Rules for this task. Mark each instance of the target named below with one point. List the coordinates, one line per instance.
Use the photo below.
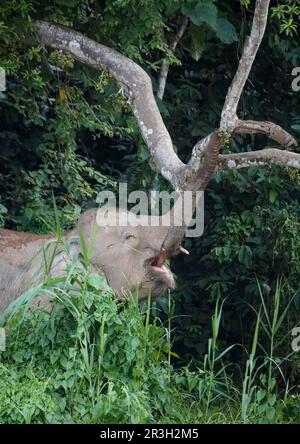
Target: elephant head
(129, 255)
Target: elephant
(130, 256)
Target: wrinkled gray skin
(127, 256)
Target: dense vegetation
(67, 131)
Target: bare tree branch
(162, 80)
(264, 157)
(137, 87)
(275, 132)
(229, 120)
(229, 112)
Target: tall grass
(264, 379)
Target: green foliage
(112, 355)
(201, 12)
(25, 399)
(287, 14)
(206, 12)
(94, 359)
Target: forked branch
(137, 87)
(230, 124)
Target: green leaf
(245, 256)
(261, 394)
(3, 209)
(172, 7)
(143, 152)
(296, 127)
(272, 399)
(198, 36)
(226, 31)
(201, 12)
(96, 281)
(271, 413)
(273, 195)
(227, 251)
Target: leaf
(96, 281)
(3, 209)
(296, 127)
(272, 399)
(206, 12)
(271, 413)
(201, 12)
(261, 394)
(198, 36)
(144, 153)
(227, 251)
(245, 256)
(273, 195)
(172, 7)
(226, 31)
(175, 355)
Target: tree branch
(162, 80)
(230, 123)
(275, 132)
(198, 171)
(136, 84)
(229, 112)
(138, 89)
(229, 119)
(264, 157)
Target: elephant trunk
(179, 218)
(182, 212)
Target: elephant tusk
(183, 250)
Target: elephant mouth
(158, 261)
(160, 274)
(163, 273)
(159, 277)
